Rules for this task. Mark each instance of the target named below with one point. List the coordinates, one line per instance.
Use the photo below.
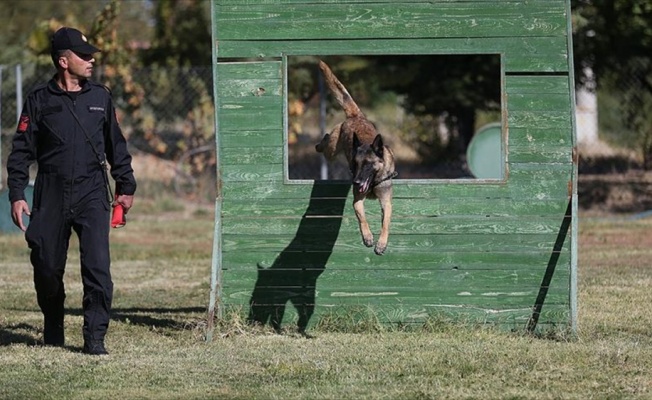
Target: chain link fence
(167, 114)
(614, 126)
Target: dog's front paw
(380, 248)
(368, 240)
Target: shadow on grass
(157, 317)
(16, 334)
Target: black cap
(72, 39)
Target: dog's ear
(354, 150)
(378, 147)
(356, 143)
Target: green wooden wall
(485, 250)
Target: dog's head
(367, 161)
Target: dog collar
(388, 177)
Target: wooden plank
(479, 208)
(373, 299)
(541, 119)
(493, 289)
(250, 113)
(450, 225)
(531, 54)
(411, 189)
(267, 70)
(399, 243)
(540, 154)
(543, 137)
(250, 138)
(246, 79)
(533, 84)
(543, 146)
(252, 172)
(249, 87)
(444, 280)
(549, 174)
(558, 102)
(379, 20)
(361, 260)
(251, 155)
(480, 286)
(382, 299)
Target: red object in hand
(118, 219)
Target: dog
(370, 161)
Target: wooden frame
(501, 252)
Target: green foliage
(625, 116)
(25, 24)
(613, 39)
(182, 34)
(607, 35)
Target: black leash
(102, 160)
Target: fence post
(19, 91)
(1, 68)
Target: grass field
(161, 270)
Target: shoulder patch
(23, 123)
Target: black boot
(94, 347)
(53, 333)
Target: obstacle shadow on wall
(292, 277)
(550, 270)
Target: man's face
(77, 64)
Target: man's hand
(125, 200)
(19, 207)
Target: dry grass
(161, 273)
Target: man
(68, 126)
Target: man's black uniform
(70, 193)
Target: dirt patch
(619, 193)
(612, 182)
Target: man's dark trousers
(48, 235)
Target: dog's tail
(342, 96)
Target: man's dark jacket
(49, 134)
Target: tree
(182, 34)
(613, 39)
(608, 34)
(457, 86)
